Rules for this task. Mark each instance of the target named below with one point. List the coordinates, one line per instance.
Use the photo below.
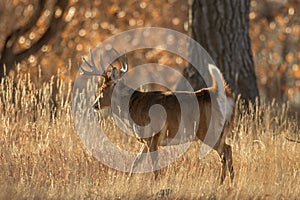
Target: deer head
(107, 79)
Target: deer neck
(120, 100)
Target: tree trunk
(7, 55)
(221, 27)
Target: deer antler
(123, 61)
(92, 65)
(125, 64)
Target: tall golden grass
(42, 157)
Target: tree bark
(7, 55)
(221, 27)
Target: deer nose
(96, 106)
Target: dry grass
(42, 157)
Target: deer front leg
(143, 149)
(149, 146)
(154, 154)
(154, 159)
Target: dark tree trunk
(221, 27)
(7, 55)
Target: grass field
(42, 156)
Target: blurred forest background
(48, 37)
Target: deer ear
(115, 74)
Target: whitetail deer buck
(141, 102)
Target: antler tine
(92, 58)
(91, 65)
(126, 60)
(115, 51)
(125, 64)
(101, 61)
(83, 71)
(112, 66)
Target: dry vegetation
(42, 157)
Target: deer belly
(169, 137)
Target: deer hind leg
(223, 171)
(225, 154)
(220, 148)
(228, 155)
